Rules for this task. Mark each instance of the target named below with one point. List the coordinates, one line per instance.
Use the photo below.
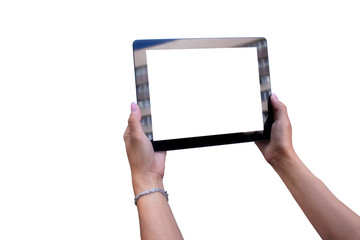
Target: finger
(126, 133)
(135, 109)
(279, 109)
(280, 114)
(127, 130)
(134, 122)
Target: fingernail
(275, 97)
(133, 107)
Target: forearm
(155, 216)
(329, 216)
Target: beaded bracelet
(153, 190)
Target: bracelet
(153, 190)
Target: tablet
(203, 92)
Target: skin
(329, 216)
(147, 171)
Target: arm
(330, 217)
(147, 171)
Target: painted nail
(133, 107)
(275, 97)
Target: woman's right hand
(279, 147)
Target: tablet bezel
(143, 96)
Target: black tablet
(203, 92)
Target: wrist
(144, 182)
(281, 155)
(284, 163)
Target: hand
(147, 166)
(279, 146)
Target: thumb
(279, 109)
(135, 118)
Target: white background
(197, 87)
(66, 84)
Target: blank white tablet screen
(200, 92)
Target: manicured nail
(275, 97)
(133, 107)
